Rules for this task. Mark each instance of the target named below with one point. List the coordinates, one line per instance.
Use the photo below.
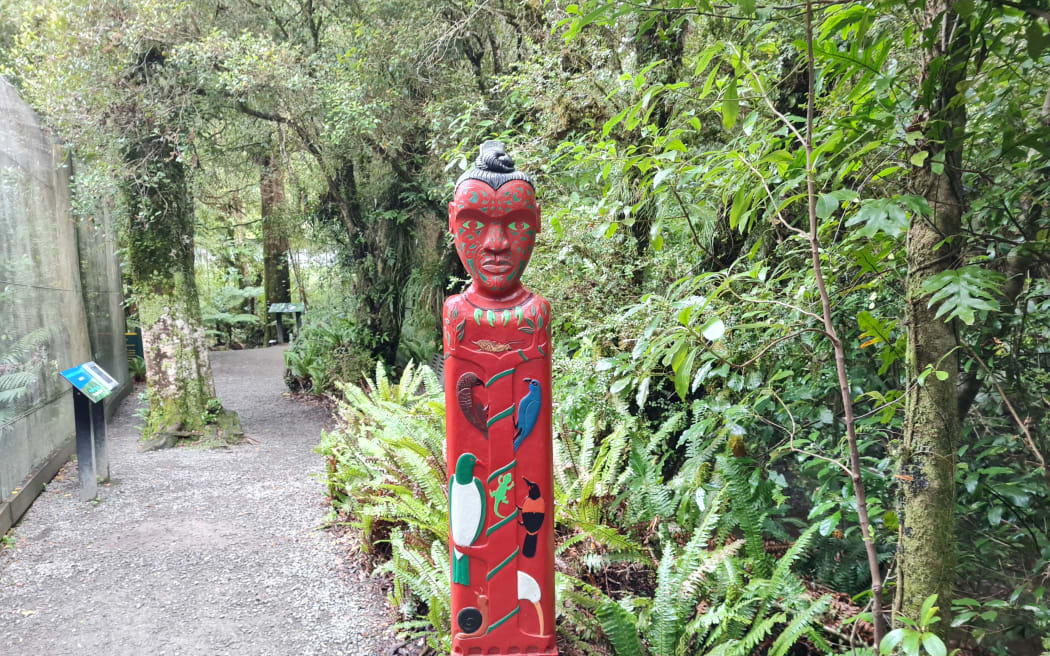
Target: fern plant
(329, 349)
(712, 588)
(386, 473)
(710, 596)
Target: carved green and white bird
(466, 499)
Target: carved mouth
(497, 265)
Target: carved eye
(478, 225)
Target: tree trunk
(277, 284)
(160, 253)
(926, 464)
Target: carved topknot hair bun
(494, 167)
(494, 157)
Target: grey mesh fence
(100, 279)
(44, 325)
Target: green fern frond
(782, 572)
(619, 627)
(609, 537)
(759, 630)
(801, 623)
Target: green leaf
(643, 392)
(891, 640)
(995, 515)
(933, 645)
(1037, 41)
(941, 375)
(730, 105)
(741, 202)
(826, 205)
(963, 618)
(918, 158)
(683, 373)
(880, 215)
(927, 610)
(713, 329)
(611, 123)
(605, 364)
(911, 642)
(961, 293)
(873, 330)
(577, 25)
(661, 175)
(829, 524)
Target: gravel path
(193, 551)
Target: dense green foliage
(790, 248)
(387, 474)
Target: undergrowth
(646, 565)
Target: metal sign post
(91, 384)
(280, 309)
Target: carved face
(494, 231)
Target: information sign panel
(285, 307)
(91, 380)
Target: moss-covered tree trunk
(160, 253)
(933, 425)
(276, 279)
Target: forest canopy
(797, 256)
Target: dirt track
(193, 551)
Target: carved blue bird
(528, 412)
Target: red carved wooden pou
(498, 414)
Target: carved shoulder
(454, 321)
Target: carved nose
(496, 238)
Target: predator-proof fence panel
(100, 276)
(43, 324)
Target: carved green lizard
(499, 495)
